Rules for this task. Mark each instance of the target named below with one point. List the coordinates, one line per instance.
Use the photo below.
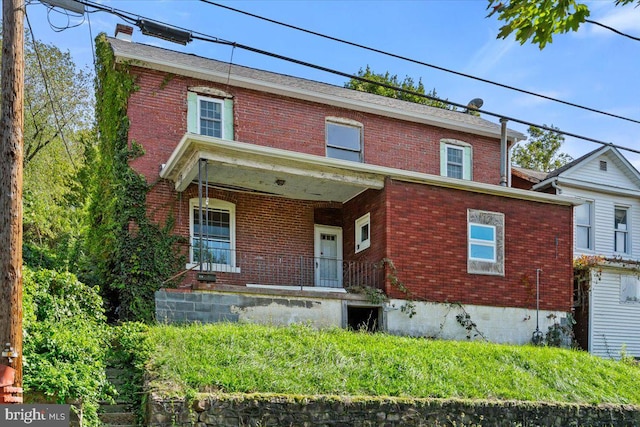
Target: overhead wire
(415, 61)
(127, 16)
(613, 29)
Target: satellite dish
(475, 103)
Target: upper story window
(455, 159)
(621, 230)
(344, 140)
(210, 116)
(584, 228)
(485, 241)
(213, 235)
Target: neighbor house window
(455, 159)
(584, 229)
(213, 234)
(344, 140)
(485, 242)
(621, 232)
(629, 288)
(363, 232)
(210, 116)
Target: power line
(133, 18)
(613, 29)
(415, 61)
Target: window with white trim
(482, 242)
(621, 230)
(455, 159)
(629, 289)
(213, 243)
(210, 116)
(363, 232)
(485, 242)
(210, 113)
(584, 229)
(344, 141)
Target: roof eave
(293, 92)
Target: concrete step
(118, 418)
(115, 407)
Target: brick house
(300, 199)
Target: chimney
(124, 32)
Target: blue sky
(593, 67)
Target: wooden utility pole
(11, 163)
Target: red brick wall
(425, 227)
(372, 202)
(427, 241)
(158, 120)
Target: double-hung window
(455, 159)
(621, 230)
(485, 242)
(584, 229)
(455, 164)
(213, 235)
(344, 140)
(210, 116)
(482, 242)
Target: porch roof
(272, 171)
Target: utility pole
(11, 164)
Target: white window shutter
(227, 132)
(443, 159)
(192, 113)
(468, 165)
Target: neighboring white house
(607, 241)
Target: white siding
(614, 176)
(614, 325)
(603, 222)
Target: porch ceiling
(248, 167)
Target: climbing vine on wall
(128, 255)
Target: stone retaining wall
(334, 411)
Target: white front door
(328, 256)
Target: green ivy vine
(128, 255)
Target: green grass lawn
(300, 360)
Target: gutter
(199, 143)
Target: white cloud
(490, 55)
(535, 101)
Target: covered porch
(226, 243)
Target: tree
(540, 151)
(392, 80)
(539, 20)
(58, 111)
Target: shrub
(65, 341)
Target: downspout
(509, 169)
(200, 215)
(554, 184)
(503, 152)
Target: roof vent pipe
(503, 151)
